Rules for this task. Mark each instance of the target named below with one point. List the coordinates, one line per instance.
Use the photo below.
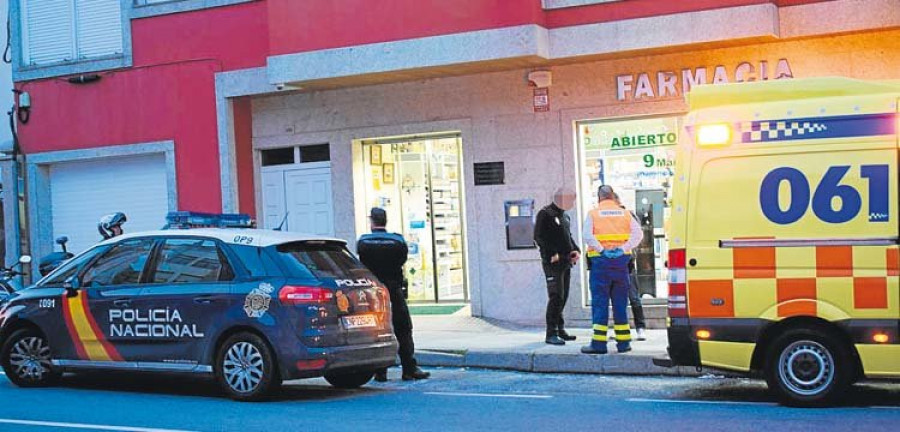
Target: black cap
(378, 216)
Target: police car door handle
(122, 302)
(203, 299)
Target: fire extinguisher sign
(541, 99)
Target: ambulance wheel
(26, 359)
(808, 368)
(349, 380)
(246, 368)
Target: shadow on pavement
(868, 394)
(206, 388)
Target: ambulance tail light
(714, 134)
(303, 295)
(678, 283)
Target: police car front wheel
(246, 368)
(26, 359)
(808, 368)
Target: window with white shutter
(49, 31)
(98, 25)
(56, 31)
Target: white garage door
(82, 192)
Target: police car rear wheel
(349, 380)
(26, 359)
(245, 368)
(808, 368)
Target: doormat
(434, 309)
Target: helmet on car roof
(109, 222)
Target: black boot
(554, 339)
(565, 336)
(414, 375)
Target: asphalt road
(454, 399)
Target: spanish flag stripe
(92, 346)
(70, 326)
(111, 351)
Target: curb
(610, 364)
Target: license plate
(359, 321)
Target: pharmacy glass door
(418, 183)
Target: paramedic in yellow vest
(610, 233)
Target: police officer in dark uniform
(384, 254)
(559, 252)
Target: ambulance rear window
(319, 259)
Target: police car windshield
(321, 259)
(58, 277)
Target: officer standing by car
(610, 233)
(385, 254)
(559, 252)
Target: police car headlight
(714, 134)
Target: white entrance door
(304, 194)
(82, 192)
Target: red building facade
(221, 96)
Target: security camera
(279, 86)
(540, 79)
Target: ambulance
(784, 258)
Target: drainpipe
(9, 163)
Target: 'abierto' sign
(645, 86)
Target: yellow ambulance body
(784, 234)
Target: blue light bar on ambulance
(187, 220)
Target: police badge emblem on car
(257, 302)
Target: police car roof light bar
(188, 220)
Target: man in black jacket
(559, 252)
(384, 254)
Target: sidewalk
(464, 341)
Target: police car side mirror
(72, 285)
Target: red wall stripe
(299, 26)
(243, 137)
(235, 36)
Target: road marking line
(493, 395)
(85, 426)
(677, 401)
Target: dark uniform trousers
(637, 307)
(558, 278)
(403, 327)
(384, 254)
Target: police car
(250, 307)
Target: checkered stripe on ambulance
(785, 223)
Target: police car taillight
(290, 294)
(678, 283)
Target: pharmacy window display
(637, 158)
(419, 184)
